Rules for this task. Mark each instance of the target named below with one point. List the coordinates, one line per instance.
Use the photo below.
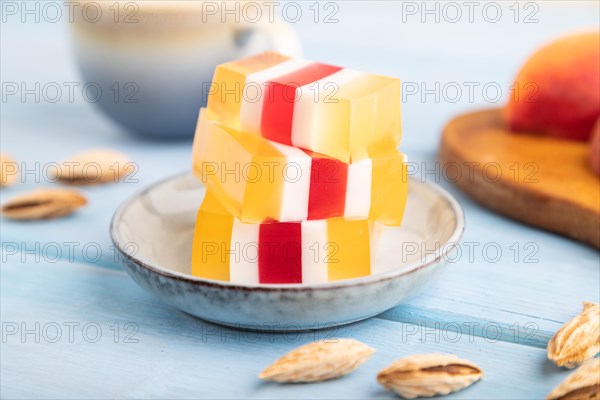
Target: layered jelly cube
(259, 180)
(317, 251)
(302, 171)
(339, 112)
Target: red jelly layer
(327, 194)
(278, 106)
(280, 253)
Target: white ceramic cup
(153, 61)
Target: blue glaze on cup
(154, 74)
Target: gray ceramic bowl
(153, 234)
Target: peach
(595, 148)
(557, 91)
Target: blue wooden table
(74, 325)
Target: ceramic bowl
(152, 232)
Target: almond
(578, 340)
(318, 361)
(93, 167)
(582, 384)
(427, 375)
(8, 170)
(43, 204)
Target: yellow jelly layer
(389, 182)
(349, 245)
(244, 171)
(361, 119)
(225, 96)
(212, 239)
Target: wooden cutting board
(542, 181)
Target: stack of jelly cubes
(302, 171)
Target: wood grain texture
(165, 353)
(542, 181)
(522, 291)
(178, 356)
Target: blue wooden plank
(84, 236)
(172, 359)
(507, 276)
(165, 353)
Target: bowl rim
(430, 259)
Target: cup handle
(282, 36)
